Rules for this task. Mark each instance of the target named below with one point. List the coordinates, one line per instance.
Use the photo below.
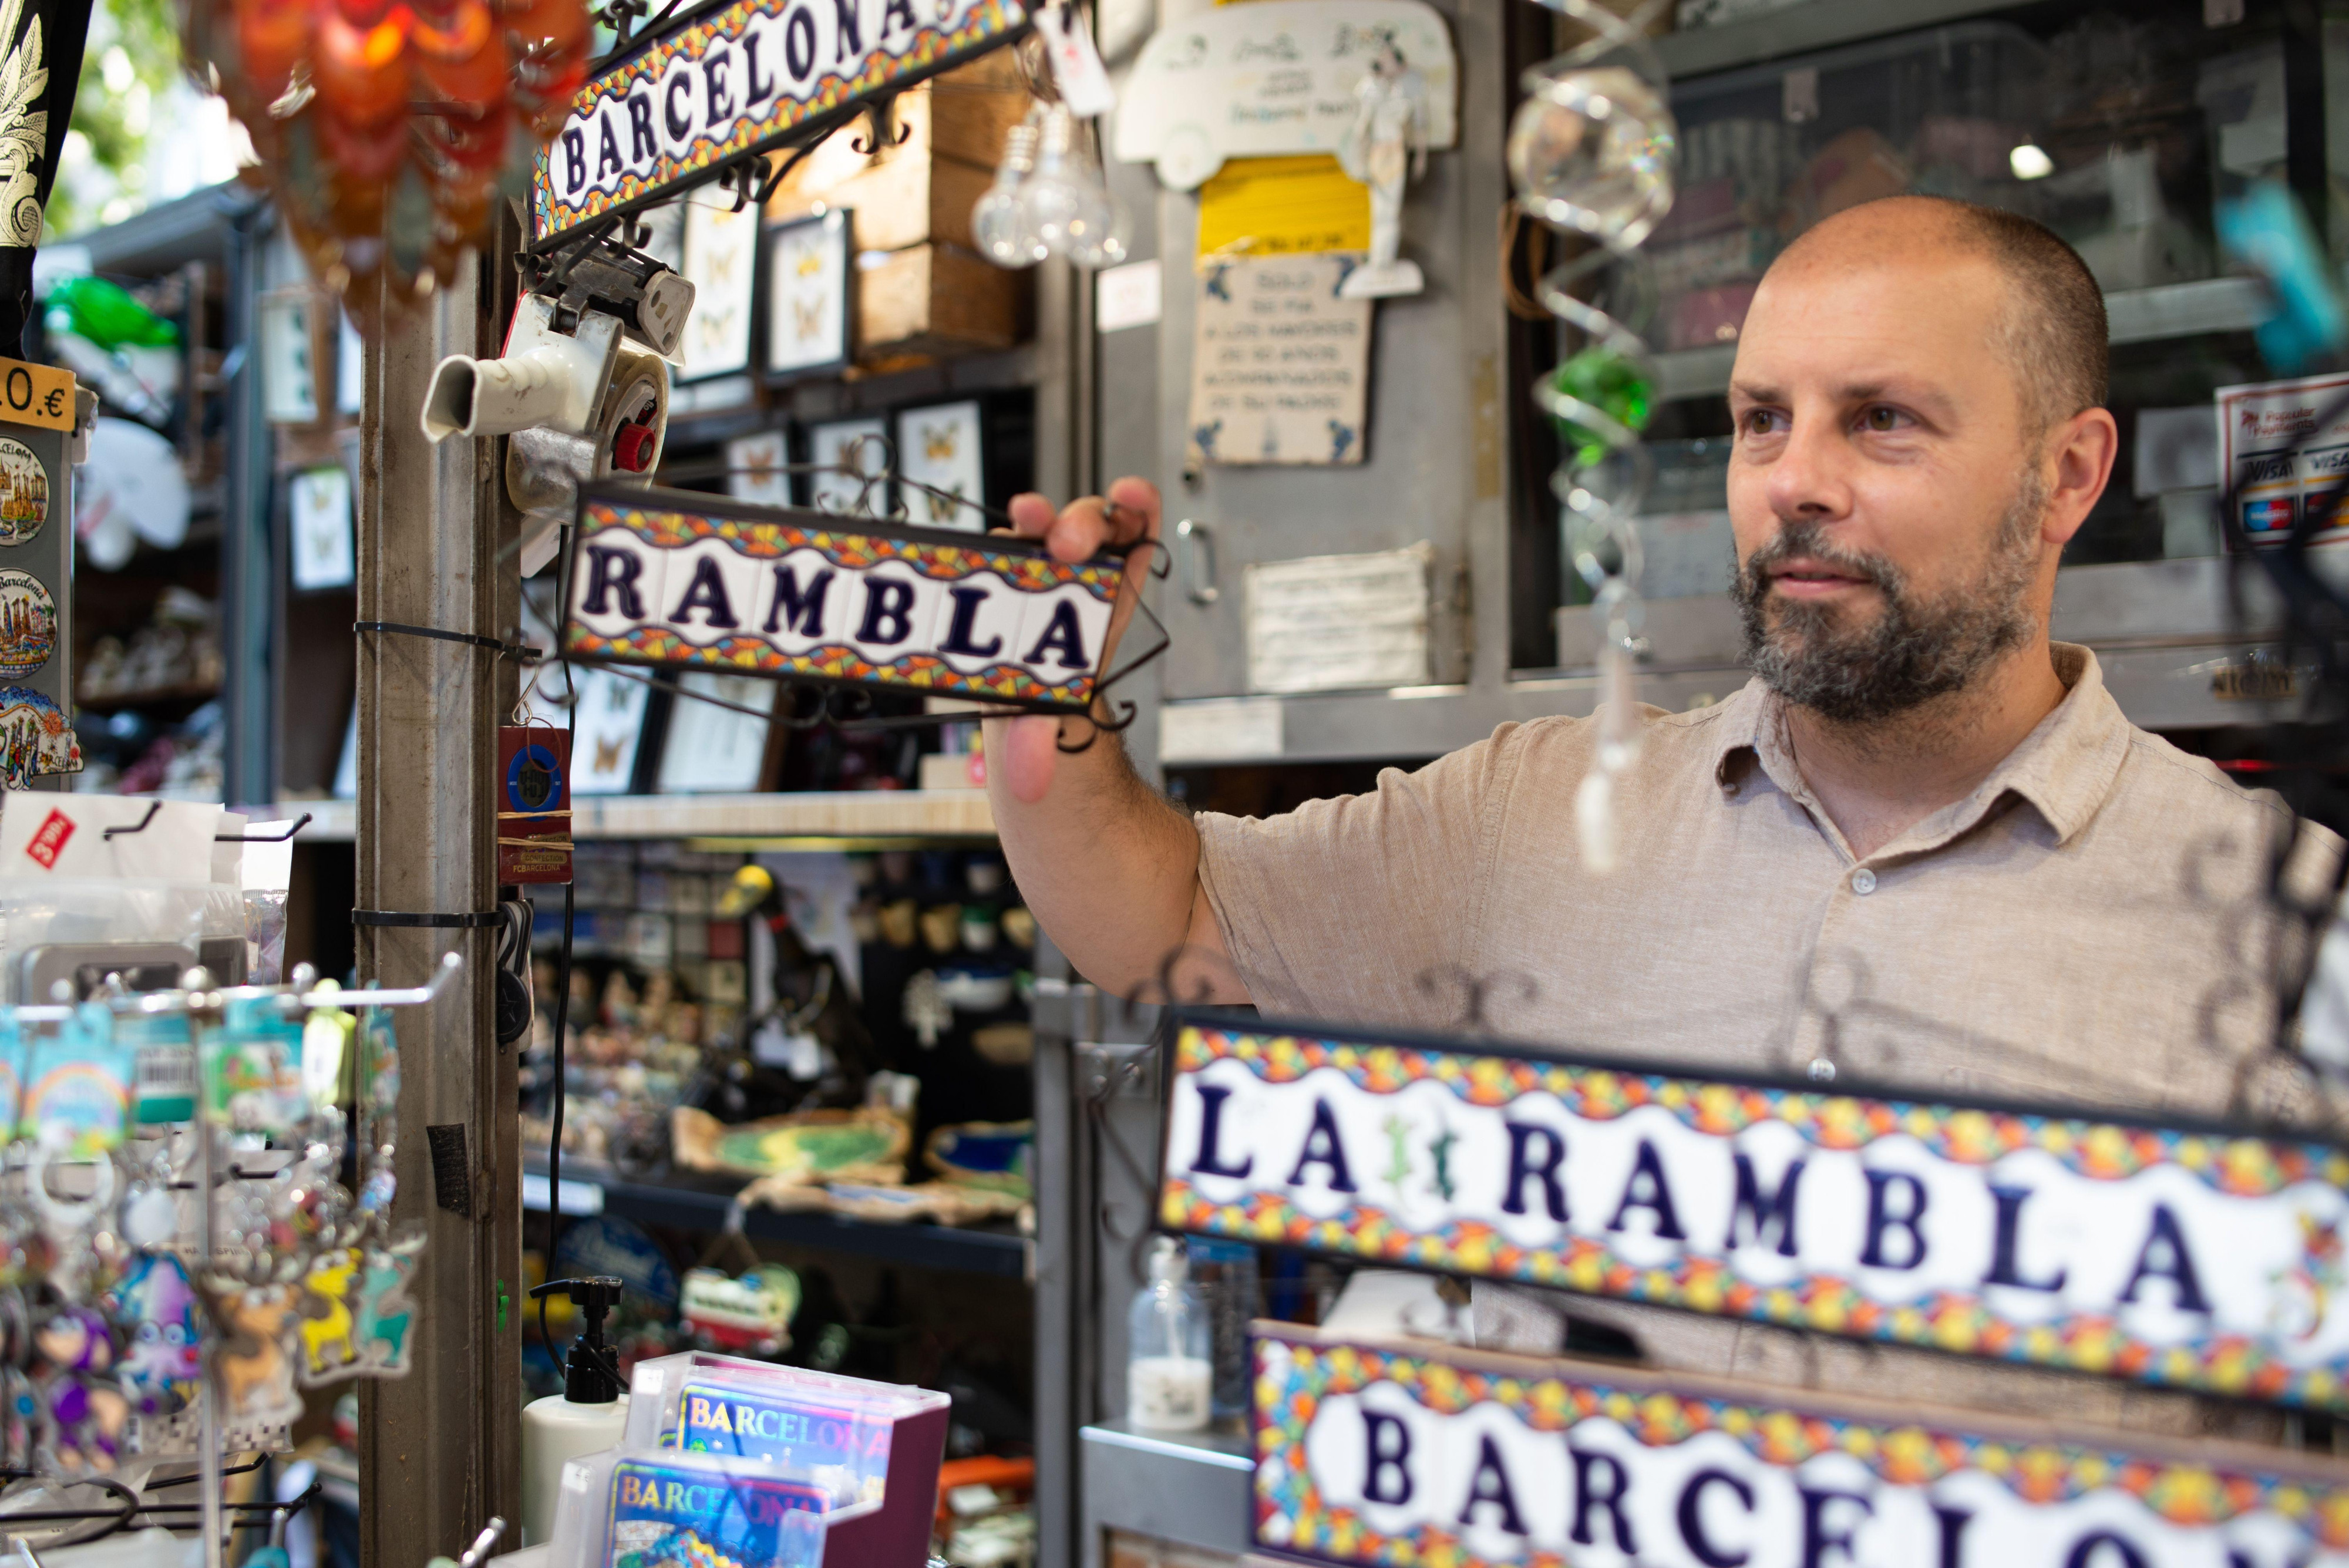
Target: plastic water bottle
(1169, 1376)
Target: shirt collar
(2065, 767)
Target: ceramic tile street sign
(737, 80)
(2194, 1257)
(1420, 1453)
(692, 582)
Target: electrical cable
(562, 961)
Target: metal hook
(152, 808)
(299, 823)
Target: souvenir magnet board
(689, 581)
(36, 541)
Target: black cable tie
(407, 917)
(521, 650)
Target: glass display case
(2122, 130)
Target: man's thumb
(1031, 750)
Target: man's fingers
(1079, 532)
(1031, 515)
(1086, 527)
(1136, 513)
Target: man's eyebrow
(1890, 390)
(1920, 394)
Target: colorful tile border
(2191, 1489)
(1960, 1321)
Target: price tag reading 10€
(37, 395)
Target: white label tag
(1076, 64)
(1126, 295)
(795, 1050)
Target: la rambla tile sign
(740, 79)
(689, 582)
(1420, 1453)
(2197, 1258)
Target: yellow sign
(1282, 206)
(36, 395)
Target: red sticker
(50, 841)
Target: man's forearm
(1110, 868)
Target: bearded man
(1922, 849)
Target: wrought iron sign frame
(2092, 1143)
(864, 83)
(843, 699)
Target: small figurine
(1386, 144)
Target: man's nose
(1811, 476)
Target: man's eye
(1760, 421)
(1881, 420)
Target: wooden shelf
(692, 1201)
(151, 696)
(813, 819)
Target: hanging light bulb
(997, 223)
(1065, 204)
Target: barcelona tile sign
(737, 80)
(680, 580)
(1399, 1453)
(2195, 1257)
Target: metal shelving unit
(1190, 1488)
(1799, 28)
(2135, 316)
(806, 820)
(688, 1202)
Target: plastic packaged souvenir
(865, 1441)
(619, 1509)
(77, 1094)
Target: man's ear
(2079, 465)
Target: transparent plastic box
(862, 1441)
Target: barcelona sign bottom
(1410, 1453)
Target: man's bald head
(2054, 328)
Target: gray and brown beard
(1818, 656)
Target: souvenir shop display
(149, 1330)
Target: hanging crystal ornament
(1591, 153)
(386, 128)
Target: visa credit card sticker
(843, 1446)
(663, 1514)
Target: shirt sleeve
(1338, 909)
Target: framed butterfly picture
(809, 272)
(721, 260)
(942, 450)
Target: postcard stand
(744, 1461)
(855, 1441)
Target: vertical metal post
(439, 1450)
(252, 607)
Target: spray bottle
(586, 1418)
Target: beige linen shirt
(2090, 925)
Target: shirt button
(1863, 881)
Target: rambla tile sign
(2201, 1257)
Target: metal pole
(439, 1450)
(210, 1514)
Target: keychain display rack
(243, 1059)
